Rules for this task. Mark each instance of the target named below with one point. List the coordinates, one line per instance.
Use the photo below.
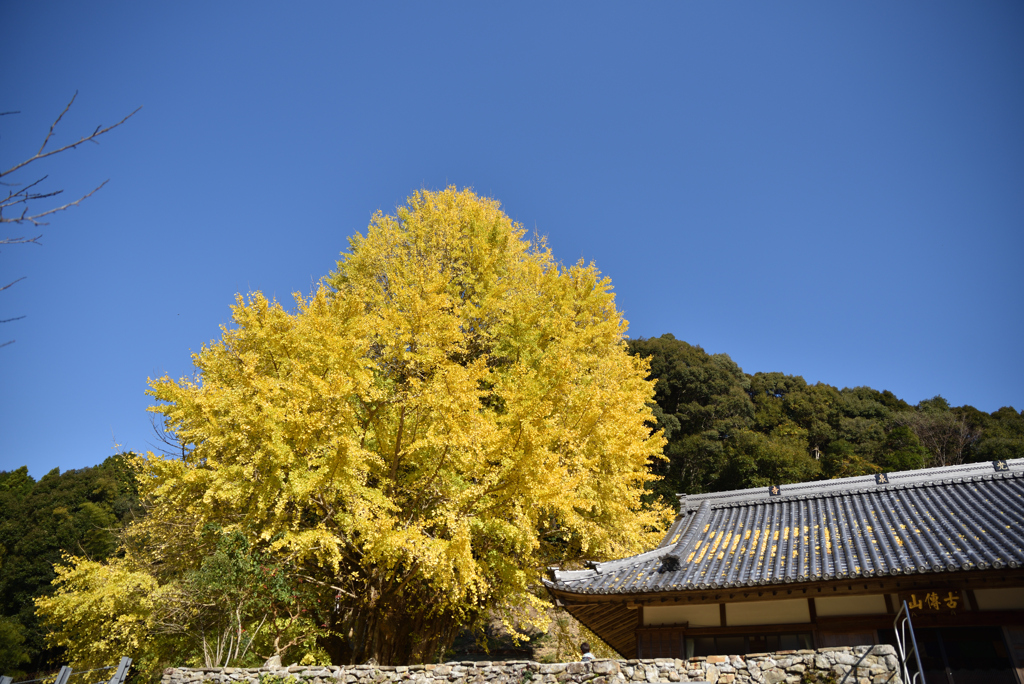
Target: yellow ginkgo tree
(449, 412)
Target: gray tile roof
(933, 520)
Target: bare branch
(91, 137)
(8, 285)
(54, 124)
(24, 218)
(26, 196)
(24, 192)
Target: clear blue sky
(834, 190)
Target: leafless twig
(25, 196)
(88, 138)
(21, 201)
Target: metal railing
(120, 673)
(903, 628)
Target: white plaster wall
(786, 612)
(698, 616)
(828, 606)
(1000, 599)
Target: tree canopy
(447, 413)
(730, 430)
(75, 512)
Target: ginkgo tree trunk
(448, 413)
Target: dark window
(961, 655)
(746, 643)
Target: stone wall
(858, 665)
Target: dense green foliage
(725, 429)
(77, 512)
(730, 430)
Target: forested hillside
(730, 430)
(725, 429)
(77, 512)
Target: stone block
(798, 668)
(604, 667)
(774, 676)
(717, 659)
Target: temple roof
(957, 518)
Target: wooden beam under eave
(613, 622)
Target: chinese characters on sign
(1001, 466)
(932, 601)
(774, 490)
(881, 478)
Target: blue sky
(834, 190)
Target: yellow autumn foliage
(449, 412)
(103, 610)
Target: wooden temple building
(824, 564)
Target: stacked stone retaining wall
(857, 665)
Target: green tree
(237, 603)
(840, 459)
(1000, 434)
(451, 411)
(864, 416)
(947, 434)
(702, 403)
(12, 647)
(76, 512)
(902, 451)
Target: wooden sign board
(934, 601)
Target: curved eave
(976, 578)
